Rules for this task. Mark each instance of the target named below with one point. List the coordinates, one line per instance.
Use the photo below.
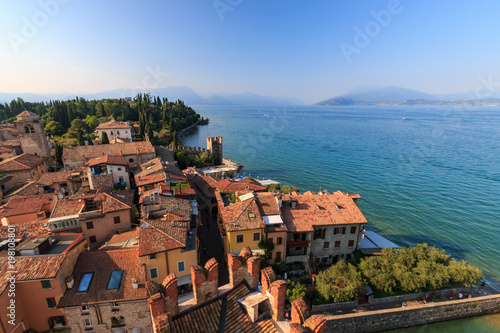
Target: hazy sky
(311, 50)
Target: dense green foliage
(295, 290)
(271, 187)
(417, 268)
(287, 189)
(340, 283)
(185, 160)
(157, 117)
(267, 248)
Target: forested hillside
(73, 122)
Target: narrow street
(211, 246)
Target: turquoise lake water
(425, 174)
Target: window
(337, 243)
(353, 230)
(120, 179)
(131, 160)
(64, 184)
(111, 132)
(87, 323)
(153, 273)
(351, 243)
(115, 306)
(256, 236)
(279, 240)
(115, 279)
(117, 321)
(326, 245)
(51, 302)
(339, 230)
(85, 282)
(118, 132)
(58, 321)
(270, 255)
(92, 239)
(90, 225)
(239, 238)
(85, 310)
(119, 169)
(269, 241)
(18, 177)
(319, 234)
(117, 219)
(278, 256)
(46, 284)
(152, 256)
(181, 267)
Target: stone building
(135, 153)
(24, 167)
(109, 292)
(117, 131)
(214, 146)
(107, 171)
(328, 227)
(32, 134)
(42, 265)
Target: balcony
(297, 243)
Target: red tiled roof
(27, 113)
(123, 149)
(21, 162)
(227, 185)
(107, 159)
(151, 179)
(113, 124)
(30, 229)
(268, 203)
(155, 240)
(102, 263)
(313, 210)
(124, 236)
(151, 167)
(242, 215)
(50, 178)
(67, 207)
(207, 316)
(25, 205)
(5, 150)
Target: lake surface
(425, 174)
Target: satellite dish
(242, 206)
(60, 196)
(144, 225)
(169, 209)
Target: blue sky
(275, 48)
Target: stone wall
(101, 182)
(383, 320)
(327, 254)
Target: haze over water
(425, 174)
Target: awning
(272, 219)
(186, 279)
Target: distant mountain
(188, 95)
(377, 95)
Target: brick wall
(243, 268)
(383, 320)
(205, 281)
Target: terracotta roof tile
(102, 263)
(124, 236)
(160, 236)
(150, 179)
(107, 159)
(268, 203)
(313, 209)
(242, 215)
(113, 124)
(26, 205)
(27, 113)
(30, 229)
(88, 152)
(67, 207)
(21, 162)
(50, 178)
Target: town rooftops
(123, 240)
(97, 267)
(21, 162)
(26, 205)
(175, 209)
(242, 215)
(316, 210)
(67, 208)
(113, 124)
(151, 167)
(26, 114)
(123, 149)
(107, 159)
(268, 203)
(209, 315)
(229, 185)
(150, 179)
(29, 229)
(50, 178)
(160, 236)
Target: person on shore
(452, 293)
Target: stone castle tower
(214, 146)
(32, 135)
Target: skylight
(114, 280)
(85, 282)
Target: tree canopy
(340, 283)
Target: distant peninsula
(402, 96)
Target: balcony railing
(297, 243)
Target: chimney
(268, 277)
(70, 281)
(277, 293)
(171, 294)
(294, 204)
(135, 284)
(205, 281)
